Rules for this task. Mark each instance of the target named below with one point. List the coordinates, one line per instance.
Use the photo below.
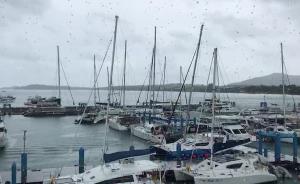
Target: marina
(149, 93)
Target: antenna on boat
(213, 106)
(58, 72)
(283, 83)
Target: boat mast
(213, 105)
(95, 76)
(110, 83)
(180, 82)
(112, 60)
(283, 83)
(194, 71)
(124, 71)
(164, 78)
(58, 72)
(154, 58)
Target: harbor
(158, 92)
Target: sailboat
(282, 129)
(125, 118)
(3, 134)
(200, 146)
(125, 171)
(228, 169)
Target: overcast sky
(246, 32)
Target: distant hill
(273, 79)
(43, 87)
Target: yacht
(123, 121)
(283, 130)
(3, 134)
(7, 99)
(150, 132)
(228, 169)
(198, 147)
(125, 171)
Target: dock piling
(23, 168)
(81, 160)
(277, 147)
(260, 142)
(295, 147)
(266, 152)
(13, 173)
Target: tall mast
(283, 83)
(164, 78)
(194, 71)
(110, 83)
(95, 76)
(213, 104)
(58, 72)
(112, 60)
(124, 72)
(154, 58)
(180, 81)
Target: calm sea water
(55, 141)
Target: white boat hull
(113, 124)
(140, 133)
(249, 179)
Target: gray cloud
(247, 34)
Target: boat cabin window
(123, 179)
(228, 131)
(280, 130)
(236, 131)
(2, 130)
(234, 166)
(243, 131)
(202, 144)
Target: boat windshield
(236, 131)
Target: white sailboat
(282, 129)
(243, 169)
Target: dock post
(150, 118)
(178, 150)
(23, 168)
(144, 116)
(277, 147)
(14, 173)
(266, 152)
(195, 120)
(295, 147)
(81, 160)
(260, 141)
